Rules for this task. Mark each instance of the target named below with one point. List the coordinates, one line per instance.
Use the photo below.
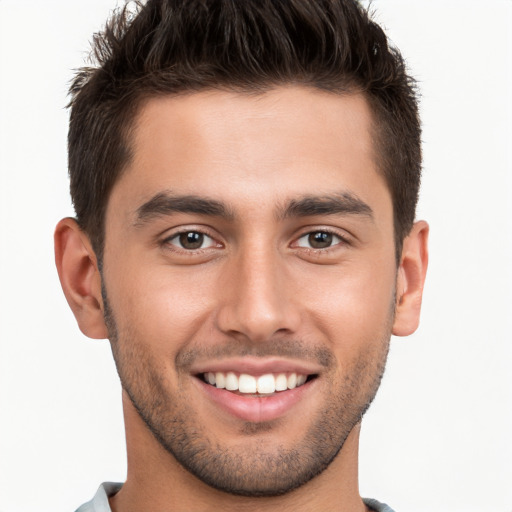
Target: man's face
(250, 243)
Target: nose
(257, 297)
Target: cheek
(353, 306)
(162, 305)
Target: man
(245, 176)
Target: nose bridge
(256, 303)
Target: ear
(80, 278)
(411, 279)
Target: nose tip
(256, 303)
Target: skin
(256, 290)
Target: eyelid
(342, 235)
(173, 233)
(205, 240)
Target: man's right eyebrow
(163, 204)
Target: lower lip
(253, 408)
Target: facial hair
(254, 468)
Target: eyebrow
(165, 203)
(344, 203)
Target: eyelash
(342, 240)
(167, 242)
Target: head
(249, 47)
(245, 176)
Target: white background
(439, 435)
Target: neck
(157, 482)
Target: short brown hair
(172, 46)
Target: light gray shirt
(100, 501)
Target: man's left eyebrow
(344, 203)
(163, 204)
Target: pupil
(191, 240)
(320, 240)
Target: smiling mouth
(246, 384)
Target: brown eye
(319, 240)
(191, 240)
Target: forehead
(252, 149)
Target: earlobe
(80, 278)
(411, 279)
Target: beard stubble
(255, 467)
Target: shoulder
(100, 501)
(377, 506)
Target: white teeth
(264, 384)
(281, 382)
(292, 381)
(301, 379)
(220, 380)
(231, 382)
(246, 383)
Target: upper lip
(257, 366)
